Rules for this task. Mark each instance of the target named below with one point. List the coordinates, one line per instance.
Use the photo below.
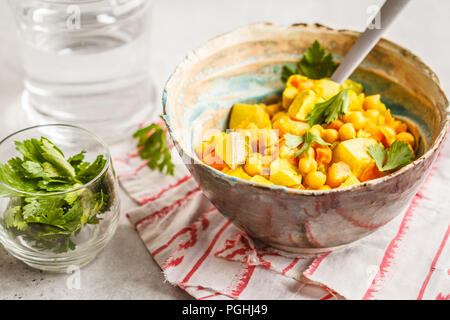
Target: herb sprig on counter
(398, 155)
(152, 146)
(50, 220)
(315, 64)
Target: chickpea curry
(320, 136)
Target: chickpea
(307, 165)
(295, 80)
(309, 154)
(336, 125)
(400, 127)
(357, 119)
(347, 132)
(406, 137)
(371, 102)
(316, 129)
(388, 135)
(330, 135)
(285, 152)
(337, 174)
(273, 109)
(315, 180)
(373, 115)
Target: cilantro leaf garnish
(398, 155)
(88, 172)
(286, 72)
(14, 219)
(50, 221)
(53, 155)
(293, 141)
(308, 139)
(378, 153)
(152, 146)
(315, 64)
(330, 110)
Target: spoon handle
(387, 14)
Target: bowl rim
(194, 160)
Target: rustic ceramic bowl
(245, 66)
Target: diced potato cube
(239, 173)
(288, 96)
(214, 161)
(255, 113)
(260, 179)
(232, 149)
(260, 139)
(374, 131)
(273, 109)
(352, 85)
(363, 134)
(356, 101)
(254, 165)
(278, 115)
(302, 105)
(226, 169)
(294, 80)
(285, 124)
(267, 138)
(374, 102)
(371, 172)
(354, 153)
(389, 135)
(324, 155)
(350, 181)
(284, 173)
(203, 149)
(246, 126)
(326, 88)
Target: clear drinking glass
(86, 217)
(86, 63)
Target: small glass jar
(86, 63)
(83, 219)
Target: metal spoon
(387, 14)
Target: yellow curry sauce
(256, 147)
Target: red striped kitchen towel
(202, 252)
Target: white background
(125, 269)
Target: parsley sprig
(398, 155)
(330, 110)
(308, 139)
(152, 146)
(49, 221)
(315, 64)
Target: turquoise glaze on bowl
(245, 66)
